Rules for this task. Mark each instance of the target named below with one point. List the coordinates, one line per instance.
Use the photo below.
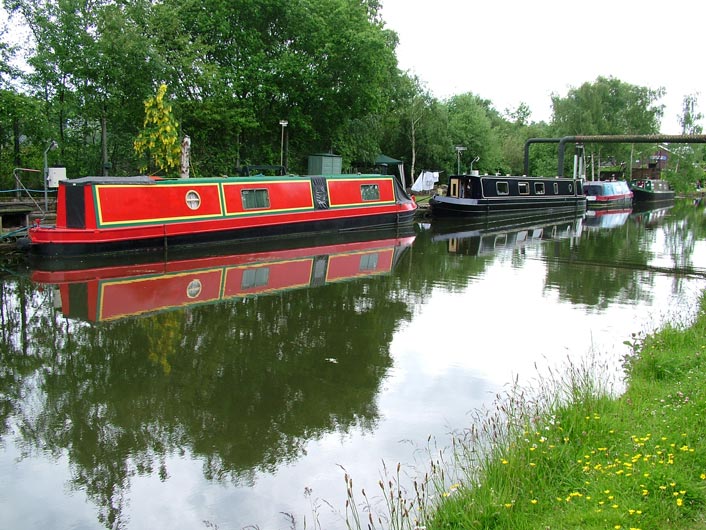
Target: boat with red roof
(119, 214)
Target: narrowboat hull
(110, 215)
(653, 196)
(651, 191)
(507, 197)
(596, 203)
(603, 195)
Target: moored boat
(507, 196)
(603, 194)
(651, 190)
(118, 214)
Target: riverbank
(587, 459)
(573, 454)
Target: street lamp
(52, 145)
(283, 123)
(459, 150)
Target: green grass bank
(580, 457)
(571, 453)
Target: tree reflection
(243, 385)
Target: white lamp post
(459, 150)
(283, 123)
(52, 145)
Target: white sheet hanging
(425, 181)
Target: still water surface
(235, 390)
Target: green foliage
(159, 139)
(608, 106)
(236, 68)
(470, 125)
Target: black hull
(504, 208)
(653, 197)
(244, 235)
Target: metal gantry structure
(606, 138)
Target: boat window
(254, 199)
(556, 188)
(368, 262)
(257, 277)
(539, 188)
(502, 188)
(370, 192)
(523, 188)
(193, 200)
(571, 188)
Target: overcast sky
(513, 51)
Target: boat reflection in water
(651, 217)
(102, 291)
(487, 237)
(612, 218)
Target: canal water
(236, 389)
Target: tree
(470, 126)
(611, 107)
(690, 117)
(608, 106)
(159, 138)
(92, 67)
(687, 167)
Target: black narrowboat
(508, 196)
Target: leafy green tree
(690, 117)
(159, 138)
(92, 68)
(608, 106)
(470, 126)
(686, 168)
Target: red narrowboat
(119, 214)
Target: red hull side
(113, 213)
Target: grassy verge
(576, 456)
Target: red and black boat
(99, 290)
(118, 214)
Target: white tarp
(425, 181)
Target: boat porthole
(193, 200)
(193, 290)
(571, 188)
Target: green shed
(325, 164)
